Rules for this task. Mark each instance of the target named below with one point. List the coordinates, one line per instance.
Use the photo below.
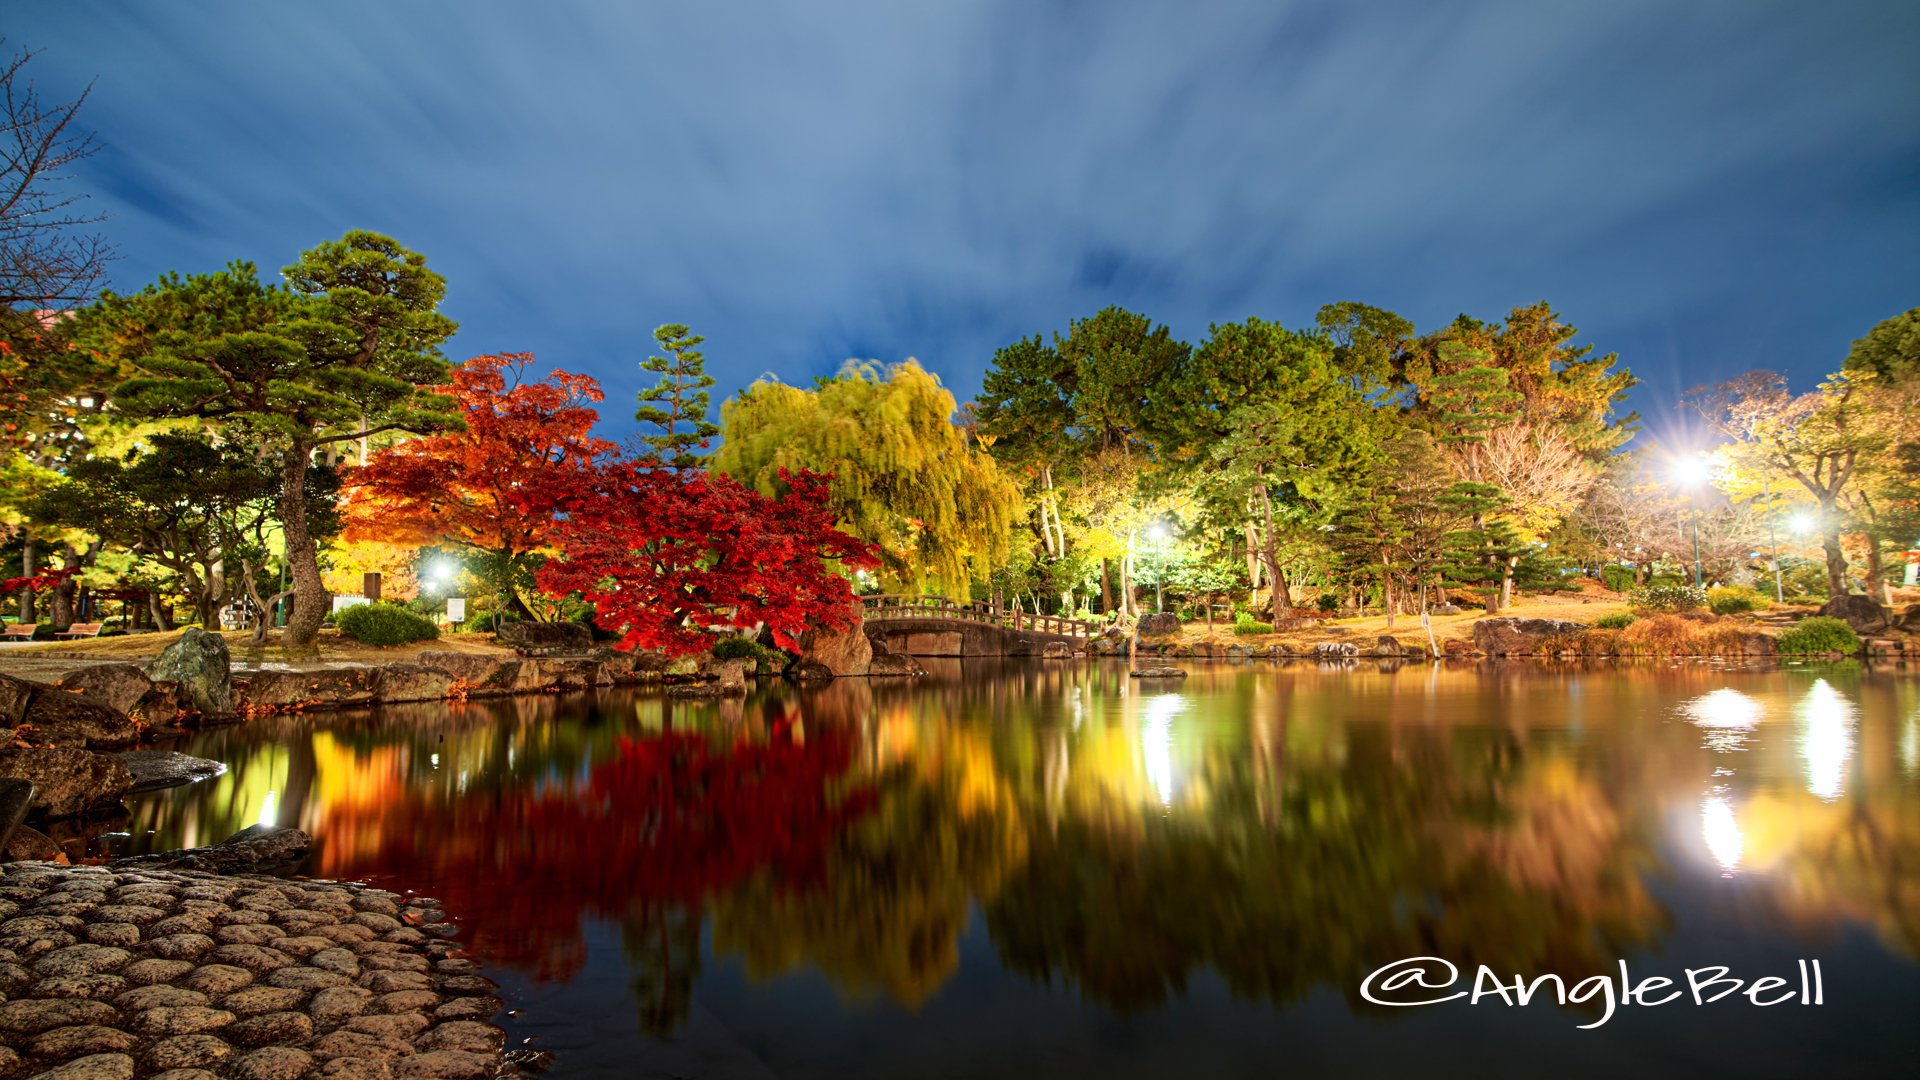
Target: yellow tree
(904, 476)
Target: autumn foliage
(458, 487)
(670, 557)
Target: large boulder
(68, 781)
(261, 849)
(546, 638)
(291, 691)
(1510, 636)
(412, 682)
(160, 706)
(27, 844)
(574, 673)
(117, 686)
(476, 671)
(14, 696)
(1862, 613)
(16, 799)
(156, 769)
(1165, 622)
(200, 663)
(59, 718)
(842, 652)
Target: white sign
(456, 609)
(342, 603)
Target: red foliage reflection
(670, 819)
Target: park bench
(21, 630)
(80, 630)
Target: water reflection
(1721, 831)
(1826, 740)
(1277, 828)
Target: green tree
(904, 477)
(683, 389)
(347, 349)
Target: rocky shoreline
(136, 970)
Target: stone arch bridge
(921, 625)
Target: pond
(1044, 868)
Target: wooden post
(370, 586)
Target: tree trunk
(162, 616)
(1129, 604)
(1506, 581)
(1106, 586)
(1386, 594)
(1209, 613)
(28, 551)
(1282, 603)
(62, 605)
(303, 554)
(1836, 559)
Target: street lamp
(1690, 472)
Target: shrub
(1617, 578)
(1619, 620)
(739, 648)
(385, 624)
(1819, 634)
(1734, 599)
(1248, 626)
(480, 624)
(1327, 602)
(1667, 598)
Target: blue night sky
(1705, 188)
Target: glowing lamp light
(1690, 470)
(1803, 523)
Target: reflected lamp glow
(1156, 744)
(269, 807)
(1826, 739)
(1721, 830)
(1910, 746)
(1724, 708)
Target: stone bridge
(937, 626)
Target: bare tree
(44, 261)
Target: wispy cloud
(1705, 188)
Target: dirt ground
(329, 648)
(1584, 607)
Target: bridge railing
(922, 606)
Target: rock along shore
(126, 973)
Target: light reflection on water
(928, 854)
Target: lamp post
(1690, 471)
(1773, 543)
(1158, 533)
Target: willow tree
(904, 476)
(348, 348)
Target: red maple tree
(669, 557)
(458, 487)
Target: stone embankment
(135, 970)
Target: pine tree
(683, 383)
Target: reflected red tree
(668, 820)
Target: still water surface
(1043, 869)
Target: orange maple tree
(454, 488)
